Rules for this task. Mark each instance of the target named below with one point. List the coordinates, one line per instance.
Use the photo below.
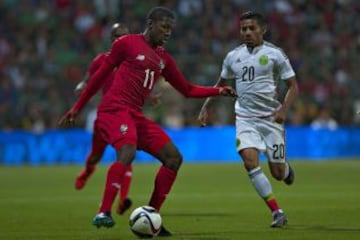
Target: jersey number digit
(149, 79)
(248, 73)
(279, 151)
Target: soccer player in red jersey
(139, 59)
(98, 143)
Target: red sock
(114, 177)
(163, 183)
(272, 204)
(125, 185)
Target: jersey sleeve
(95, 64)
(117, 52)
(172, 74)
(285, 69)
(94, 84)
(226, 71)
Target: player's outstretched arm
(82, 84)
(93, 67)
(203, 114)
(68, 120)
(172, 74)
(94, 84)
(227, 91)
(196, 91)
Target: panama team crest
(124, 128)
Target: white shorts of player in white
(263, 134)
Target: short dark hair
(254, 15)
(115, 27)
(118, 25)
(158, 13)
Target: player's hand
(280, 116)
(155, 99)
(203, 117)
(79, 88)
(69, 118)
(227, 91)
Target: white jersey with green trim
(256, 73)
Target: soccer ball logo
(145, 222)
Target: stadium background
(46, 46)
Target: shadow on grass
(192, 214)
(322, 228)
(297, 228)
(203, 236)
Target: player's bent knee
(174, 163)
(250, 164)
(277, 170)
(278, 174)
(170, 157)
(250, 158)
(126, 154)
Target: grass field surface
(208, 201)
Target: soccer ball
(145, 222)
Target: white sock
(260, 182)
(277, 211)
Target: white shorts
(263, 134)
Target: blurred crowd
(46, 46)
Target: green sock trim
(269, 197)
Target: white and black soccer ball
(145, 222)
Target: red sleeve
(96, 63)
(172, 74)
(117, 52)
(94, 84)
(110, 60)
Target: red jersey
(95, 65)
(138, 67)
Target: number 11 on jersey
(149, 79)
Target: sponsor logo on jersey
(263, 60)
(140, 57)
(123, 128)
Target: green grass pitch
(208, 201)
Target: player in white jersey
(256, 67)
